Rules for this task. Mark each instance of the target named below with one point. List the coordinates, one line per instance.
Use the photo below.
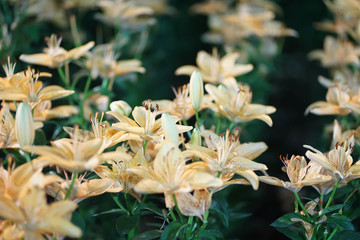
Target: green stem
(186, 124)
(321, 200)
(231, 125)
(172, 215)
(301, 205)
(27, 156)
(333, 233)
(203, 226)
(116, 200)
(188, 229)
(75, 175)
(218, 125)
(62, 76)
(296, 206)
(332, 195)
(87, 85)
(178, 210)
(145, 143)
(197, 119)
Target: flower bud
(170, 129)
(24, 125)
(121, 107)
(195, 137)
(196, 90)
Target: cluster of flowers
(328, 171)
(148, 153)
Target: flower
(72, 154)
(171, 175)
(336, 52)
(338, 102)
(36, 217)
(24, 125)
(196, 90)
(225, 155)
(54, 56)
(215, 70)
(337, 161)
(7, 128)
(121, 107)
(233, 101)
(299, 175)
(32, 92)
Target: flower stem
(172, 215)
(145, 143)
(116, 200)
(203, 226)
(301, 205)
(75, 175)
(333, 233)
(332, 195)
(178, 210)
(197, 119)
(188, 229)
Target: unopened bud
(195, 137)
(121, 107)
(24, 125)
(170, 129)
(196, 90)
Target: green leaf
(285, 221)
(152, 234)
(125, 223)
(331, 209)
(222, 217)
(294, 232)
(40, 137)
(78, 220)
(172, 231)
(115, 210)
(340, 221)
(346, 235)
(211, 235)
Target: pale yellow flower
(338, 102)
(336, 53)
(36, 217)
(195, 204)
(337, 161)
(44, 111)
(32, 91)
(234, 102)
(171, 175)
(55, 56)
(214, 69)
(72, 154)
(7, 128)
(225, 155)
(297, 170)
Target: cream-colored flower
(338, 102)
(32, 91)
(214, 69)
(36, 217)
(337, 161)
(24, 125)
(7, 128)
(225, 155)
(55, 56)
(233, 101)
(297, 170)
(72, 154)
(170, 175)
(336, 53)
